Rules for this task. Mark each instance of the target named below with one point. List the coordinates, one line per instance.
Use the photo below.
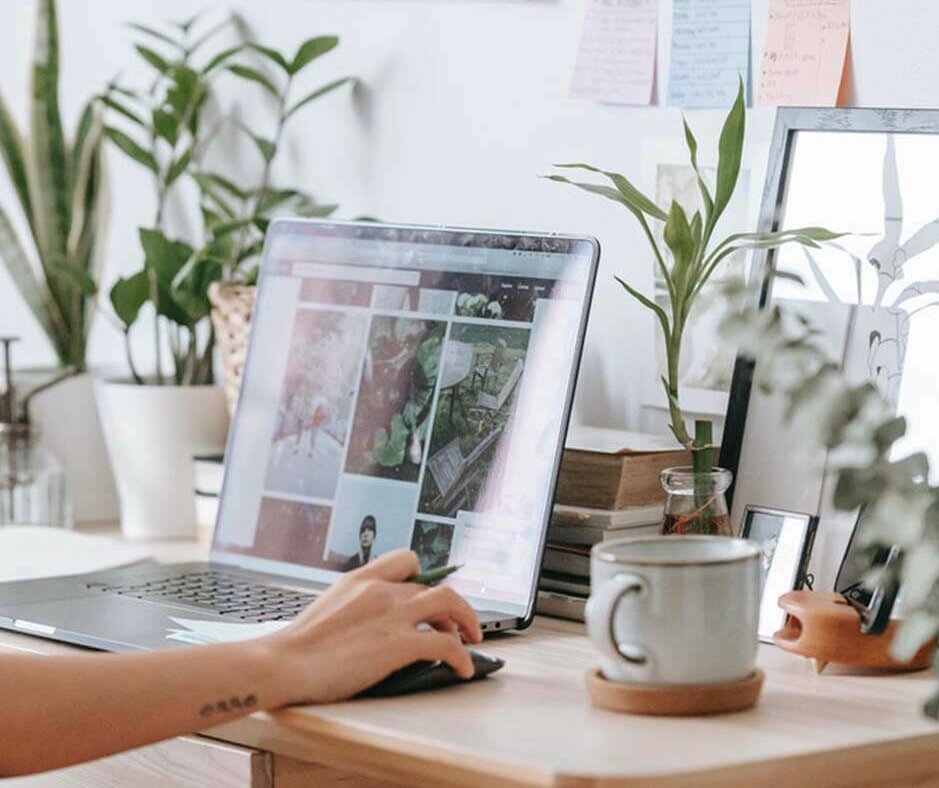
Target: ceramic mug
(675, 609)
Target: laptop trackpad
(111, 623)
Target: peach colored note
(804, 57)
(616, 57)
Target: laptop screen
(405, 387)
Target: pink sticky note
(804, 57)
(616, 58)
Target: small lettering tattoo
(229, 705)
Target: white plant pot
(66, 419)
(152, 434)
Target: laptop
(405, 387)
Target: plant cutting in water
(692, 256)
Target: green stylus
(434, 576)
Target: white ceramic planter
(152, 434)
(66, 419)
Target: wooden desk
(531, 725)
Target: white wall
(466, 104)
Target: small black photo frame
(874, 605)
(786, 540)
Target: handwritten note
(804, 58)
(710, 52)
(616, 59)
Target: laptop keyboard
(229, 595)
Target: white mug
(675, 609)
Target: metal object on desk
(33, 489)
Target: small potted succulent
(696, 501)
(156, 420)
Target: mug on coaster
(675, 609)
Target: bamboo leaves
(693, 259)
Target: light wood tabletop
(532, 725)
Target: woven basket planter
(232, 305)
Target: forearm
(63, 710)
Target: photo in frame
(785, 540)
(872, 295)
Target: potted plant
(696, 501)
(155, 423)
(60, 186)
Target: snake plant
(60, 188)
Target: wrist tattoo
(229, 705)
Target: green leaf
(16, 262)
(312, 210)
(593, 188)
(390, 451)
(163, 256)
(11, 146)
(631, 195)
(51, 194)
(648, 304)
(154, 33)
(266, 147)
(221, 57)
(227, 228)
(328, 88)
(166, 125)
(74, 277)
(131, 148)
(122, 109)
(253, 75)
(211, 179)
(273, 55)
(310, 50)
(179, 167)
(153, 58)
(128, 295)
(730, 154)
(679, 238)
(692, 144)
(185, 90)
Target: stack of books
(574, 530)
(608, 488)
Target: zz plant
(59, 184)
(167, 128)
(692, 255)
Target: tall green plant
(165, 128)
(60, 189)
(692, 254)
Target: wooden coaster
(674, 700)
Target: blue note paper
(710, 52)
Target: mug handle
(601, 616)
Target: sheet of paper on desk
(616, 59)
(804, 59)
(196, 632)
(710, 52)
(31, 551)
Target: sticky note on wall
(616, 58)
(804, 58)
(710, 52)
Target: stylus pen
(434, 576)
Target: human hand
(367, 625)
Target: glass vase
(696, 503)
(33, 489)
